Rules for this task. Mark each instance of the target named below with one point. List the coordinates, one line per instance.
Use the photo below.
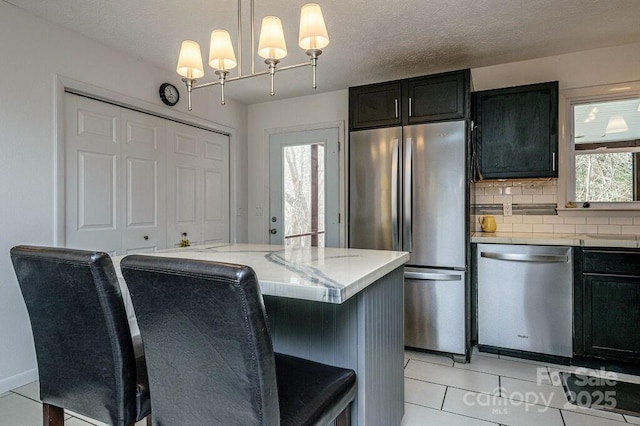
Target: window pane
(297, 189)
(607, 121)
(303, 194)
(604, 177)
(606, 134)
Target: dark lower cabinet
(607, 304)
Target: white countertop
(584, 240)
(330, 275)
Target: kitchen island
(337, 306)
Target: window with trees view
(304, 204)
(606, 150)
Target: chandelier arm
(244, 77)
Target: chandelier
(271, 46)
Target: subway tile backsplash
(544, 192)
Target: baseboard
(18, 380)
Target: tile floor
(490, 390)
(494, 390)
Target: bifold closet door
(198, 186)
(115, 184)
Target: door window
(304, 207)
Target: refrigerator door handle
(408, 189)
(395, 162)
(431, 276)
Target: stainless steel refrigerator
(408, 190)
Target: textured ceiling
(371, 40)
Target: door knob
(146, 237)
(273, 231)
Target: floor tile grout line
(471, 417)
(444, 397)
(28, 397)
(500, 374)
(457, 388)
(450, 386)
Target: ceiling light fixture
(272, 47)
(616, 124)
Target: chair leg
(52, 415)
(344, 418)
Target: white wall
(572, 70)
(33, 53)
(581, 69)
(298, 113)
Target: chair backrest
(86, 361)
(204, 330)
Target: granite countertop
(584, 240)
(330, 275)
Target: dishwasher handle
(432, 276)
(517, 257)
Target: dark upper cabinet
(435, 98)
(375, 105)
(516, 133)
(607, 304)
(417, 100)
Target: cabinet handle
(410, 112)
(396, 107)
(553, 161)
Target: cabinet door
(439, 97)
(611, 310)
(375, 105)
(517, 131)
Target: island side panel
(381, 357)
(364, 333)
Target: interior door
(303, 188)
(198, 186)
(143, 164)
(92, 175)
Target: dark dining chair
(210, 356)
(85, 353)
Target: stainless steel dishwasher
(525, 298)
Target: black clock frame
(163, 98)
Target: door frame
(342, 161)
(63, 84)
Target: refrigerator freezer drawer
(434, 310)
(525, 298)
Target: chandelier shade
(313, 31)
(190, 60)
(221, 54)
(272, 44)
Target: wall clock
(169, 94)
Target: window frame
(614, 92)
